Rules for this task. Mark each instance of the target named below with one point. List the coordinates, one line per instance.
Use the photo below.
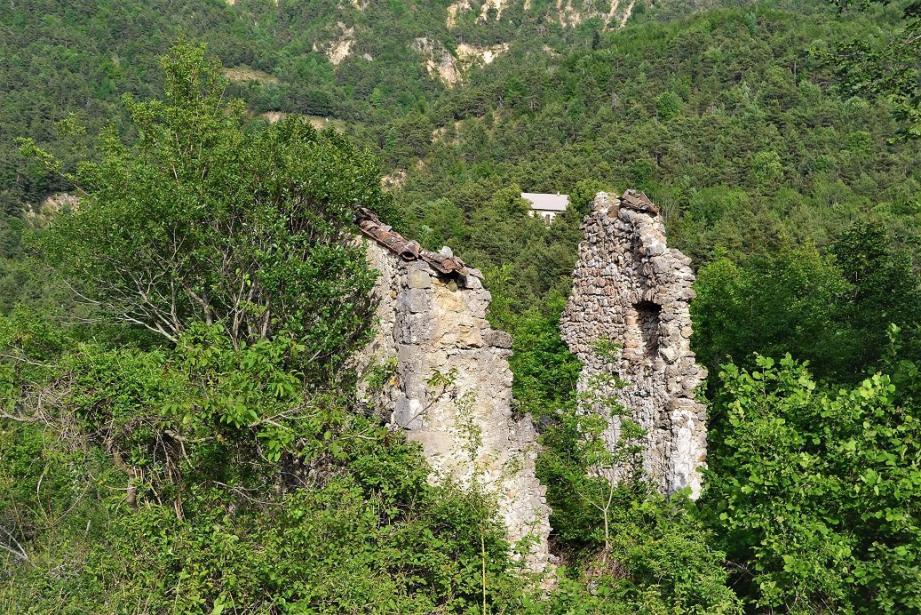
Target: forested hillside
(180, 430)
(354, 61)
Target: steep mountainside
(734, 121)
(360, 61)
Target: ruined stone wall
(450, 386)
(629, 288)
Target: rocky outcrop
(42, 214)
(494, 6)
(341, 48)
(568, 13)
(439, 63)
(471, 55)
(454, 9)
(630, 289)
(441, 374)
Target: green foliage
(660, 562)
(545, 371)
(152, 478)
(668, 105)
(786, 302)
(885, 290)
(767, 169)
(890, 71)
(206, 219)
(637, 550)
(630, 549)
(583, 194)
(815, 490)
(831, 309)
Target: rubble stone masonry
(630, 289)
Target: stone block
(414, 301)
(417, 278)
(472, 282)
(407, 414)
(499, 339)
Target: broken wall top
(443, 263)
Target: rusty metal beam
(406, 249)
(637, 201)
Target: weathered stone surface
(451, 389)
(418, 278)
(499, 339)
(629, 288)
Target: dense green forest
(179, 430)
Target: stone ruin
(448, 382)
(442, 373)
(630, 289)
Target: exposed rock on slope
(454, 9)
(341, 48)
(568, 13)
(629, 288)
(438, 61)
(440, 64)
(448, 382)
(491, 5)
(48, 209)
(471, 54)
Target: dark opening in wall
(647, 319)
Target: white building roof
(547, 202)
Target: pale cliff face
(450, 68)
(568, 13)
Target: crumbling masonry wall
(449, 385)
(630, 289)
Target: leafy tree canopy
(207, 218)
